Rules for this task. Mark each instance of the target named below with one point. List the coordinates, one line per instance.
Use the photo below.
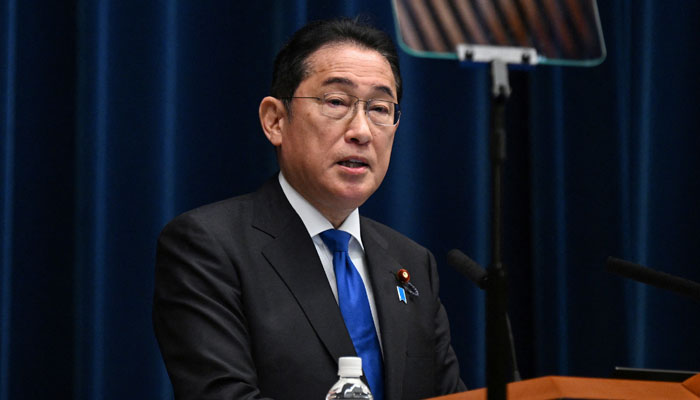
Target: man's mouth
(353, 163)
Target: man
(248, 292)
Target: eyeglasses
(340, 105)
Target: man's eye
(379, 108)
(336, 102)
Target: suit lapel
(292, 254)
(393, 314)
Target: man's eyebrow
(348, 82)
(342, 81)
(386, 90)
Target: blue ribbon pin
(402, 294)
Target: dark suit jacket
(243, 309)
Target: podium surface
(563, 387)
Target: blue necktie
(354, 306)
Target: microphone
(477, 274)
(468, 267)
(649, 276)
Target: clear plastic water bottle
(349, 386)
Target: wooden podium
(563, 387)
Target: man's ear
(273, 117)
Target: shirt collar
(313, 220)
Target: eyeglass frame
(397, 107)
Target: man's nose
(359, 129)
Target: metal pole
(496, 292)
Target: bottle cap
(350, 367)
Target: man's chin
(352, 198)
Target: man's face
(337, 164)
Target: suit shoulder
(392, 236)
(216, 214)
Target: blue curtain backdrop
(118, 115)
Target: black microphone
(477, 274)
(649, 276)
(468, 267)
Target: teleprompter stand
(497, 332)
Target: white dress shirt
(316, 223)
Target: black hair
(291, 64)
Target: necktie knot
(337, 241)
